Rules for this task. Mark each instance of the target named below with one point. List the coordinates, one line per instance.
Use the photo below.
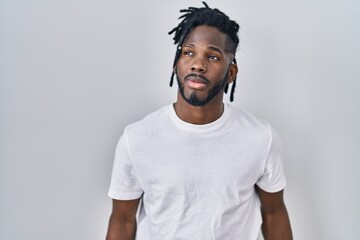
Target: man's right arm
(122, 223)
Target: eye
(188, 53)
(213, 57)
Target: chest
(174, 165)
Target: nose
(199, 65)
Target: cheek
(180, 69)
(221, 73)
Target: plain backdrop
(74, 73)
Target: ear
(232, 73)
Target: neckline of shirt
(199, 127)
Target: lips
(196, 82)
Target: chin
(194, 94)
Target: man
(201, 169)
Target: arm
(122, 223)
(276, 224)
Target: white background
(74, 73)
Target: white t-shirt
(197, 181)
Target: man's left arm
(276, 223)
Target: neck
(199, 114)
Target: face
(204, 67)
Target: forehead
(206, 35)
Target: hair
(212, 17)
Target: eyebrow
(210, 47)
(216, 49)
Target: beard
(193, 98)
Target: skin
(203, 54)
(276, 223)
(122, 223)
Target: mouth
(196, 81)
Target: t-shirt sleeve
(123, 185)
(273, 178)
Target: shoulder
(246, 120)
(249, 126)
(150, 122)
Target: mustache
(193, 75)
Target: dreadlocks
(211, 17)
